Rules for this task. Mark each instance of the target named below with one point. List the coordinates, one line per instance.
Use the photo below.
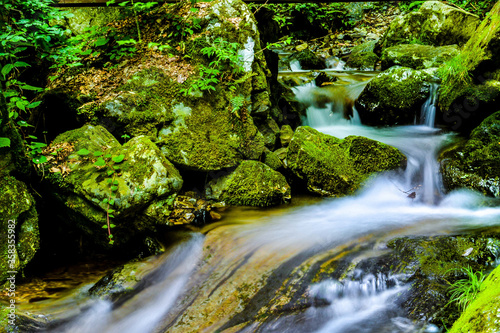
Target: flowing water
(205, 284)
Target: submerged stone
(251, 184)
(333, 167)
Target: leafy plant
(464, 291)
(110, 164)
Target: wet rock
(190, 210)
(363, 56)
(84, 18)
(417, 56)
(430, 264)
(470, 107)
(272, 160)
(142, 176)
(475, 164)
(394, 97)
(324, 79)
(332, 167)
(251, 184)
(309, 60)
(270, 131)
(476, 63)
(434, 24)
(20, 239)
(286, 134)
(281, 153)
(481, 316)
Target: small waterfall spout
(428, 113)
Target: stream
(253, 272)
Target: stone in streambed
(252, 183)
(333, 167)
(417, 56)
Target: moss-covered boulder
(20, 238)
(309, 60)
(436, 23)
(199, 111)
(417, 56)
(251, 184)
(142, 175)
(363, 56)
(430, 264)
(394, 97)
(333, 167)
(475, 164)
(82, 19)
(481, 316)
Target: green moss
(363, 56)
(475, 164)
(482, 315)
(394, 97)
(17, 205)
(417, 56)
(456, 73)
(335, 167)
(251, 184)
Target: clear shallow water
(381, 209)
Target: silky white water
(385, 204)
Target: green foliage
(223, 58)
(326, 17)
(464, 291)
(478, 7)
(456, 73)
(410, 6)
(109, 164)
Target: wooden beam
(102, 3)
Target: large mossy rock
(475, 164)
(167, 97)
(417, 56)
(333, 167)
(144, 175)
(394, 97)
(481, 316)
(17, 213)
(430, 264)
(434, 24)
(363, 56)
(251, 184)
(309, 60)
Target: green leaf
(105, 200)
(22, 105)
(100, 162)
(21, 64)
(111, 202)
(118, 159)
(111, 242)
(39, 159)
(111, 216)
(115, 182)
(110, 236)
(114, 188)
(98, 153)
(28, 87)
(110, 172)
(116, 167)
(4, 142)
(23, 123)
(83, 152)
(101, 41)
(33, 105)
(6, 69)
(107, 156)
(105, 226)
(112, 225)
(109, 180)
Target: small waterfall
(428, 113)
